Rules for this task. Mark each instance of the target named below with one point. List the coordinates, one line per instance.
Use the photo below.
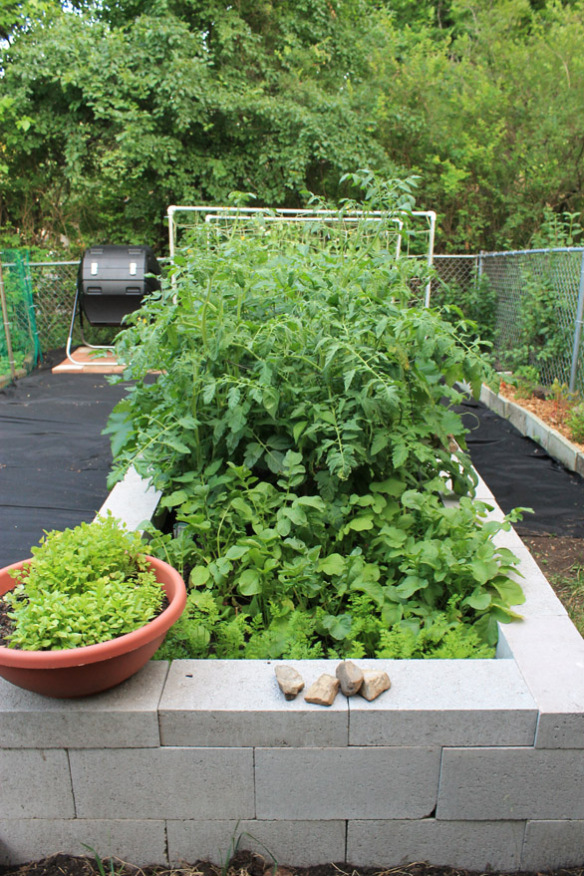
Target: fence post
(577, 330)
(6, 326)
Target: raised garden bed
(466, 763)
(471, 763)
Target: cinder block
(331, 783)
(133, 500)
(540, 598)
(510, 784)
(296, 843)
(482, 491)
(493, 401)
(163, 783)
(471, 845)
(516, 416)
(35, 784)
(549, 652)
(446, 702)
(552, 844)
(139, 842)
(126, 716)
(537, 430)
(238, 703)
(561, 449)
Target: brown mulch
(242, 864)
(552, 411)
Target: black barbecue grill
(111, 283)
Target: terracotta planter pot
(77, 672)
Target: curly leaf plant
(302, 430)
(83, 586)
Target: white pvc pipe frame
(291, 215)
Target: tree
(132, 114)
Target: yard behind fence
(528, 304)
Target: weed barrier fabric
(54, 461)
(520, 473)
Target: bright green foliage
(83, 586)
(137, 106)
(111, 111)
(576, 423)
(301, 429)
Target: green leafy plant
(83, 586)
(302, 431)
(575, 423)
(526, 379)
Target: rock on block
(375, 681)
(289, 681)
(323, 691)
(350, 677)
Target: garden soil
(241, 864)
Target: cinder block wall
(471, 764)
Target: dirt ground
(242, 864)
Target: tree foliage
(110, 112)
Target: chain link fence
(538, 297)
(54, 285)
(527, 303)
(19, 343)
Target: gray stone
(323, 691)
(350, 677)
(375, 681)
(384, 782)
(302, 842)
(290, 681)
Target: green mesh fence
(19, 343)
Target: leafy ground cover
(302, 432)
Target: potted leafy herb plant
(86, 612)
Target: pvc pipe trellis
(287, 214)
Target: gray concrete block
(549, 652)
(238, 703)
(579, 465)
(495, 402)
(296, 843)
(163, 783)
(510, 784)
(516, 416)
(540, 598)
(446, 702)
(537, 430)
(561, 449)
(35, 784)
(331, 783)
(139, 842)
(471, 845)
(133, 500)
(552, 844)
(126, 716)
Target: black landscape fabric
(54, 462)
(521, 474)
